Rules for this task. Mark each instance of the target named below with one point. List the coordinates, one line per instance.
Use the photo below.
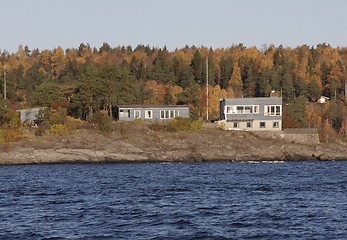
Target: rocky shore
(139, 143)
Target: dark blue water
(296, 200)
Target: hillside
(140, 143)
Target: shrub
(102, 120)
(7, 136)
(2, 136)
(138, 121)
(40, 131)
(73, 123)
(58, 116)
(182, 124)
(59, 129)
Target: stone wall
(308, 136)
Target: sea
(251, 200)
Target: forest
(86, 80)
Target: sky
(48, 24)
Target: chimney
(273, 93)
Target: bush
(59, 129)
(7, 136)
(73, 123)
(182, 124)
(58, 116)
(40, 131)
(2, 136)
(138, 121)
(102, 120)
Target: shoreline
(139, 144)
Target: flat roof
(152, 106)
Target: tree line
(85, 80)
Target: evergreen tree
(197, 67)
(313, 91)
(263, 84)
(45, 94)
(287, 82)
(297, 111)
(226, 67)
(334, 115)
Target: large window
(272, 110)
(242, 109)
(167, 114)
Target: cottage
(28, 116)
(152, 113)
(251, 114)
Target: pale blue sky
(47, 24)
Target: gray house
(28, 116)
(251, 114)
(154, 113)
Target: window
(236, 125)
(248, 124)
(275, 124)
(248, 109)
(240, 109)
(256, 109)
(229, 109)
(137, 114)
(262, 125)
(166, 114)
(272, 110)
(124, 113)
(148, 114)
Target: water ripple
(297, 200)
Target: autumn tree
(236, 82)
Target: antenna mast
(5, 93)
(207, 87)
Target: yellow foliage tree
(175, 91)
(158, 91)
(235, 82)
(215, 94)
(58, 61)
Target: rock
(321, 156)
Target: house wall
(155, 112)
(239, 121)
(28, 116)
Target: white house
(251, 114)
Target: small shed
(322, 99)
(28, 116)
(153, 113)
